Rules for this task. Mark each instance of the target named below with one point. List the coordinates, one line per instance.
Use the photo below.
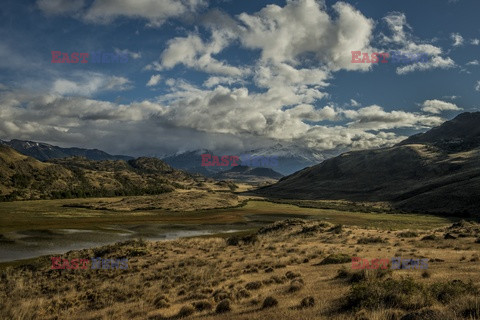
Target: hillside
(23, 177)
(438, 172)
(44, 151)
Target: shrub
(223, 306)
(185, 311)
(337, 258)
(336, 229)
(202, 305)
(362, 275)
(307, 302)
(255, 285)
(269, 302)
(295, 286)
(447, 291)
(368, 240)
(430, 237)
(376, 294)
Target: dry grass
(280, 275)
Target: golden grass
(166, 279)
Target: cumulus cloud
(473, 63)
(275, 96)
(457, 39)
(286, 34)
(154, 80)
(475, 42)
(477, 86)
(193, 52)
(437, 106)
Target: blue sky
(234, 75)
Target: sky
(230, 75)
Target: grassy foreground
(294, 269)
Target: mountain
(290, 159)
(23, 177)
(459, 134)
(191, 161)
(437, 172)
(44, 151)
(249, 174)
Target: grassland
(96, 212)
(294, 269)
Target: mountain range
(436, 172)
(23, 177)
(44, 151)
(289, 159)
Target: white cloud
(156, 12)
(437, 106)
(434, 63)
(477, 86)
(105, 11)
(375, 118)
(286, 34)
(154, 80)
(133, 55)
(473, 63)
(88, 83)
(457, 39)
(403, 38)
(193, 52)
(354, 103)
(475, 42)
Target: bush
(362, 275)
(202, 305)
(368, 240)
(403, 294)
(307, 302)
(407, 234)
(337, 258)
(295, 286)
(337, 229)
(447, 291)
(185, 312)
(269, 302)
(236, 240)
(223, 306)
(255, 285)
(430, 237)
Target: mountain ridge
(419, 177)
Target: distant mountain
(289, 159)
(437, 171)
(43, 151)
(23, 177)
(191, 161)
(248, 174)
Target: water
(34, 243)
